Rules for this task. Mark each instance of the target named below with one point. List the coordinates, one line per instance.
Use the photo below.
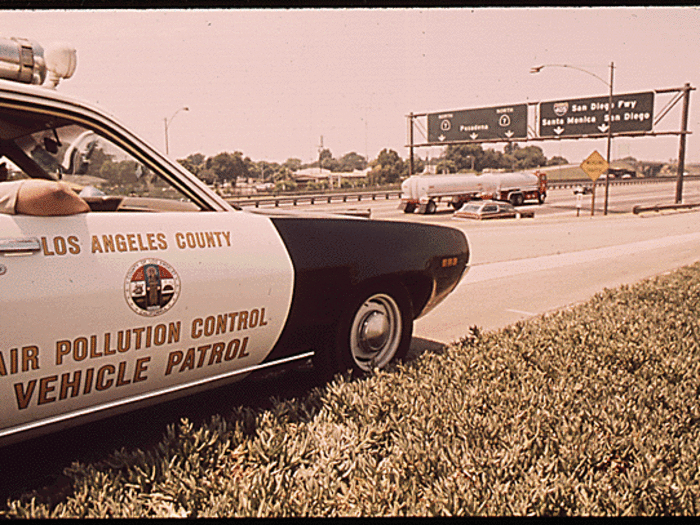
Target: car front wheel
(376, 329)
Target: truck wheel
(457, 205)
(410, 208)
(516, 199)
(542, 197)
(375, 329)
(430, 207)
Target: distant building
(306, 175)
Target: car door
(109, 307)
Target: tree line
(387, 168)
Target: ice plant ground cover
(592, 410)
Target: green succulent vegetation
(592, 410)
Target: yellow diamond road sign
(594, 166)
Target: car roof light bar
(25, 61)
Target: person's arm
(40, 197)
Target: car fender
(333, 257)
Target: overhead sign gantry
(570, 118)
(631, 115)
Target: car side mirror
(78, 164)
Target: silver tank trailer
(423, 192)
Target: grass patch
(593, 410)
(565, 173)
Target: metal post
(165, 121)
(681, 148)
(610, 103)
(410, 143)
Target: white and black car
(163, 288)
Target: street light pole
(610, 103)
(166, 122)
(537, 69)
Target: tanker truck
(424, 192)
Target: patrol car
(163, 288)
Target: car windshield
(471, 207)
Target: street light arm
(167, 122)
(537, 69)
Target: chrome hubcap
(375, 332)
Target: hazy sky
(270, 83)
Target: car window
(86, 159)
(91, 164)
(490, 208)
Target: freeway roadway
(521, 268)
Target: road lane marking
(490, 271)
(520, 312)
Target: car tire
(516, 199)
(375, 329)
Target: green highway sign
(589, 116)
(480, 124)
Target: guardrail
(329, 198)
(660, 207)
(326, 198)
(615, 182)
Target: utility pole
(410, 143)
(320, 169)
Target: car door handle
(19, 246)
